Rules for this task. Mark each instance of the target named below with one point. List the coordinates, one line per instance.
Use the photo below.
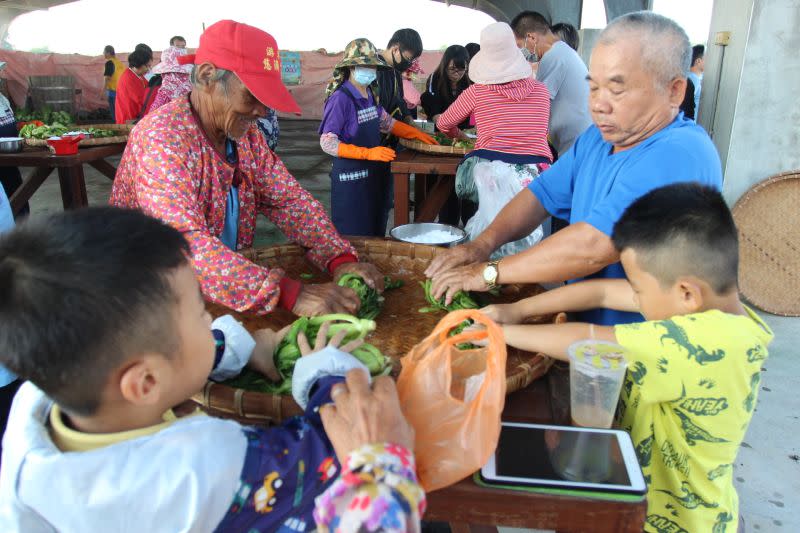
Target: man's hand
(466, 278)
(456, 257)
(504, 313)
(369, 272)
(326, 298)
(262, 359)
(360, 415)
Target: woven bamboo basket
(435, 149)
(400, 325)
(123, 129)
(768, 222)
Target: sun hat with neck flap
(251, 54)
(499, 60)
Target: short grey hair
(221, 75)
(665, 48)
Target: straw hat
(499, 60)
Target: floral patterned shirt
(171, 171)
(376, 491)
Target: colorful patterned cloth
(376, 491)
(170, 170)
(173, 86)
(689, 395)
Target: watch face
(490, 274)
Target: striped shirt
(511, 117)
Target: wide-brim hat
(251, 54)
(169, 62)
(499, 60)
(361, 53)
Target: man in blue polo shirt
(638, 142)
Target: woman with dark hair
(132, 88)
(447, 82)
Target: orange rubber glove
(401, 129)
(379, 153)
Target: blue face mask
(364, 75)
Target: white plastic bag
(497, 183)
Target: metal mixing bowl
(408, 231)
(11, 145)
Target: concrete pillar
(588, 40)
(749, 102)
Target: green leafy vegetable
(389, 284)
(461, 300)
(46, 115)
(371, 301)
(288, 351)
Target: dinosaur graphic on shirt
(750, 401)
(644, 450)
(719, 471)
(692, 432)
(756, 353)
(689, 499)
(676, 334)
(722, 522)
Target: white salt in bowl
(429, 233)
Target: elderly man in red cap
(200, 164)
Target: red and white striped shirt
(511, 117)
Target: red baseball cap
(252, 55)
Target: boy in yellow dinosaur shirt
(694, 365)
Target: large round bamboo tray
(123, 129)
(435, 149)
(768, 222)
(400, 324)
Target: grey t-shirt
(564, 73)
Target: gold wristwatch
(490, 273)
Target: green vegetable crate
(399, 324)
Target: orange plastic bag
(453, 398)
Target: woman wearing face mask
(132, 87)
(351, 128)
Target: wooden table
(544, 401)
(70, 172)
(424, 167)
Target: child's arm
(236, 347)
(610, 294)
(554, 339)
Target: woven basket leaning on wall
(400, 324)
(768, 220)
